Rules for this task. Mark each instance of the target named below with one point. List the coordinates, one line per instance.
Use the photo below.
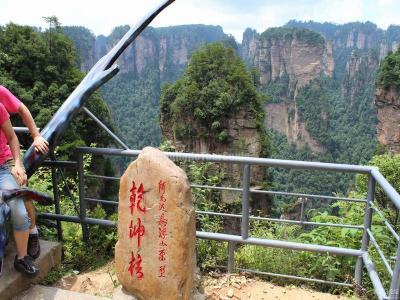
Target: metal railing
(362, 255)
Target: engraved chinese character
(162, 206)
(161, 254)
(162, 271)
(138, 231)
(162, 221)
(135, 265)
(136, 194)
(161, 187)
(162, 232)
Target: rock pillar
(155, 252)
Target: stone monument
(155, 252)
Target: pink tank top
(8, 104)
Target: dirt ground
(237, 286)
(215, 286)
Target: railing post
(302, 212)
(231, 256)
(394, 292)
(365, 237)
(82, 202)
(56, 200)
(245, 201)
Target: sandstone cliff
(387, 102)
(356, 35)
(284, 118)
(302, 55)
(165, 49)
(298, 56)
(246, 140)
(289, 58)
(360, 74)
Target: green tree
(389, 166)
(389, 71)
(43, 78)
(215, 86)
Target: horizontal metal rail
(224, 237)
(256, 191)
(60, 163)
(101, 201)
(278, 163)
(76, 219)
(102, 177)
(281, 220)
(381, 255)
(22, 129)
(278, 244)
(296, 277)
(253, 191)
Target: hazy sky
(233, 15)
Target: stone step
(12, 283)
(40, 292)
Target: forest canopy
(40, 69)
(389, 71)
(215, 85)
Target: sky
(233, 15)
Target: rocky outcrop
(387, 102)
(360, 70)
(287, 52)
(155, 252)
(246, 140)
(300, 56)
(166, 50)
(284, 118)
(360, 36)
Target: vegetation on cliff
(338, 111)
(133, 97)
(283, 33)
(215, 86)
(389, 71)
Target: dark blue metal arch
(100, 73)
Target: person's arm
(39, 142)
(13, 142)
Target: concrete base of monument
(13, 283)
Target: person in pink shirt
(12, 174)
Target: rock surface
(155, 254)
(284, 118)
(297, 59)
(387, 102)
(276, 56)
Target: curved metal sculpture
(100, 73)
